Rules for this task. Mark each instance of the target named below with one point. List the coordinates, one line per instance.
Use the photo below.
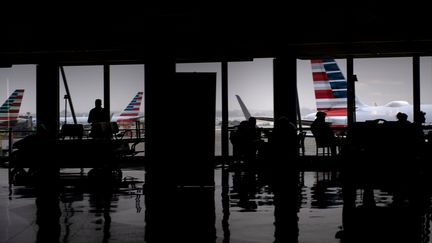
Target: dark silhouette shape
(225, 206)
(102, 201)
(255, 131)
(33, 148)
(409, 136)
(246, 140)
(180, 215)
(254, 137)
(324, 135)
(99, 119)
(422, 117)
(284, 153)
(48, 214)
(406, 221)
(285, 141)
(402, 118)
(287, 198)
(245, 189)
(72, 131)
(98, 113)
(238, 139)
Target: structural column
(47, 99)
(159, 75)
(106, 78)
(285, 88)
(351, 92)
(224, 130)
(416, 88)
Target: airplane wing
(264, 118)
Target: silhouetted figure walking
(99, 120)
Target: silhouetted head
(402, 116)
(422, 117)
(98, 102)
(252, 121)
(321, 114)
(243, 125)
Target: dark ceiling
(135, 34)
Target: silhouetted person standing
(98, 113)
(99, 120)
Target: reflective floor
(244, 207)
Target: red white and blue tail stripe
(131, 112)
(10, 109)
(330, 87)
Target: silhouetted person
(254, 137)
(99, 120)
(255, 131)
(245, 141)
(406, 130)
(323, 133)
(422, 117)
(239, 140)
(98, 113)
(402, 118)
(411, 136)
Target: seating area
(322, 149)
(108, 130)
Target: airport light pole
(66, 97)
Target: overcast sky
(381, 80)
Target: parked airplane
(330, 88)
(124, 119)
(9, 111)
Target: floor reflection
(405, 217)
(244, 206)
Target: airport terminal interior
(157, 177)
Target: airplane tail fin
(131, 112)
(9, 111)
(247, 114)
(245, 110)
(330, 87)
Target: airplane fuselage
(387, 112)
